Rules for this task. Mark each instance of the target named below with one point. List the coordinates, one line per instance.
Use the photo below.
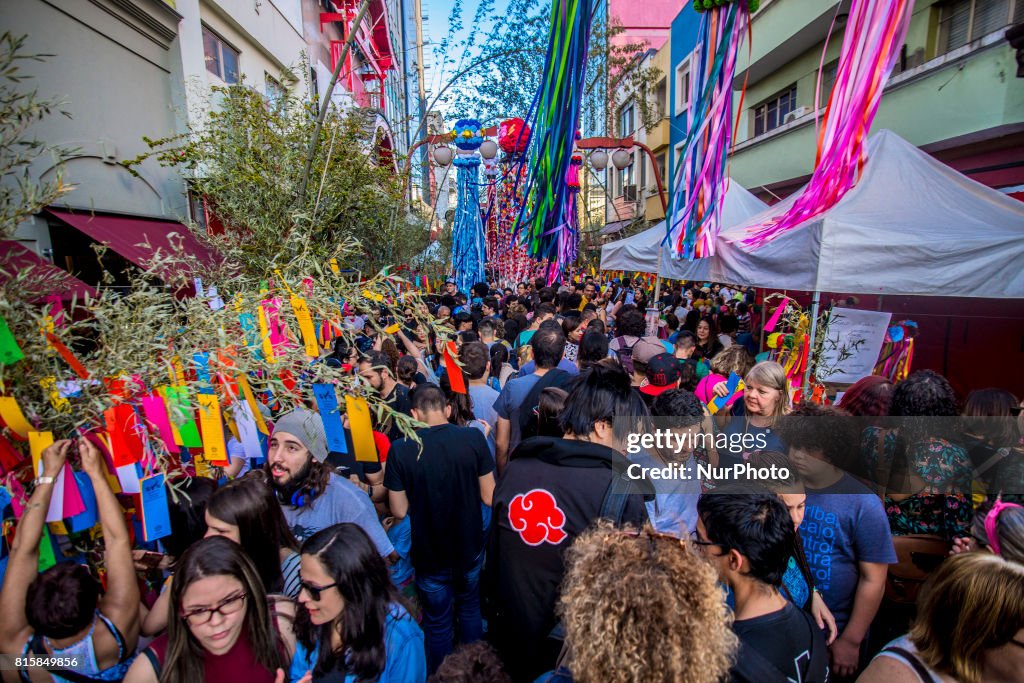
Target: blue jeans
(441, 595)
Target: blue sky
(436, 28)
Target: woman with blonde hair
(642, 606)
(969, 627)
(765, 400)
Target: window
(772, 114)
(661, 99)
(662, 169)
(275, 92)
(828, 81)
(221, 58)
(314, 87)
(683, 87)
(626, 121)
(964, 21)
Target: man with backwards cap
(312, 496)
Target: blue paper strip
(87, 519)
(156, 520)
(202, 363)
(327, 404)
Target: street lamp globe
(443, 155)
(599, 159)
(621, 159)
(489, 149)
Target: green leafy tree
(247, 158)
(21, 194)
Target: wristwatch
(44, 480)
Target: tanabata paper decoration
(12, 416)
(212, 426)
(705, 5)
(701, 179)
(897, 354)
(874, 35)
(330, 415)
(10, 352)
(360, 425)
(556, 115)
(156, 519)
(468, 240)
(514, 136)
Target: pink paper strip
(774, 320)
(156, 413)
(56, 310)
(73, 503)
(17, 497)
(276, 327)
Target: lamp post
(621, 158)
(445, 158)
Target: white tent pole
(815, 304)
(657, 287)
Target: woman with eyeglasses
(353, 625)
(222, 626)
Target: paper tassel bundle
(695, 210)
(468, 247)
(556, 114)
(874, 35)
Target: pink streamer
(774, 320)
(874, 36)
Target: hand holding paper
(92, 461)
(54, 456)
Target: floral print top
(943, 506)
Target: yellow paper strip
(362, 429)
(37, 443)
(334, 267)
(301, 310)
(13, 417)
(268, 348)
(391, 329)
(212, 428)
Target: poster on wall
(852, 342)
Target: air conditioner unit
(795, 114)
(629, 193)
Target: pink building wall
(644, 21)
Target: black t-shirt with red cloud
(552, 490)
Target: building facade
(116, 67)
(953, 92)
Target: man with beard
(311, 495)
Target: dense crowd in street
(511, 538)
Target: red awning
(43, 277)
(137, 239)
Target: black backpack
(625, 354)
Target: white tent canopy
(911, 226)
(642, 252)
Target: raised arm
(121, 601)
(23, 563)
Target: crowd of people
(509, 537)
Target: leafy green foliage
(22, 195)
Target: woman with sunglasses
(353, 625)
(222, 626)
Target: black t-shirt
(441, 480)
(789, 640)
(345, 464)
(399, 401)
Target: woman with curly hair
(642, 606)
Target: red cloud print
(537, 517)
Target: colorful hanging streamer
(468, 240)
(555, 117)
(695, 209)
(874, 36)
